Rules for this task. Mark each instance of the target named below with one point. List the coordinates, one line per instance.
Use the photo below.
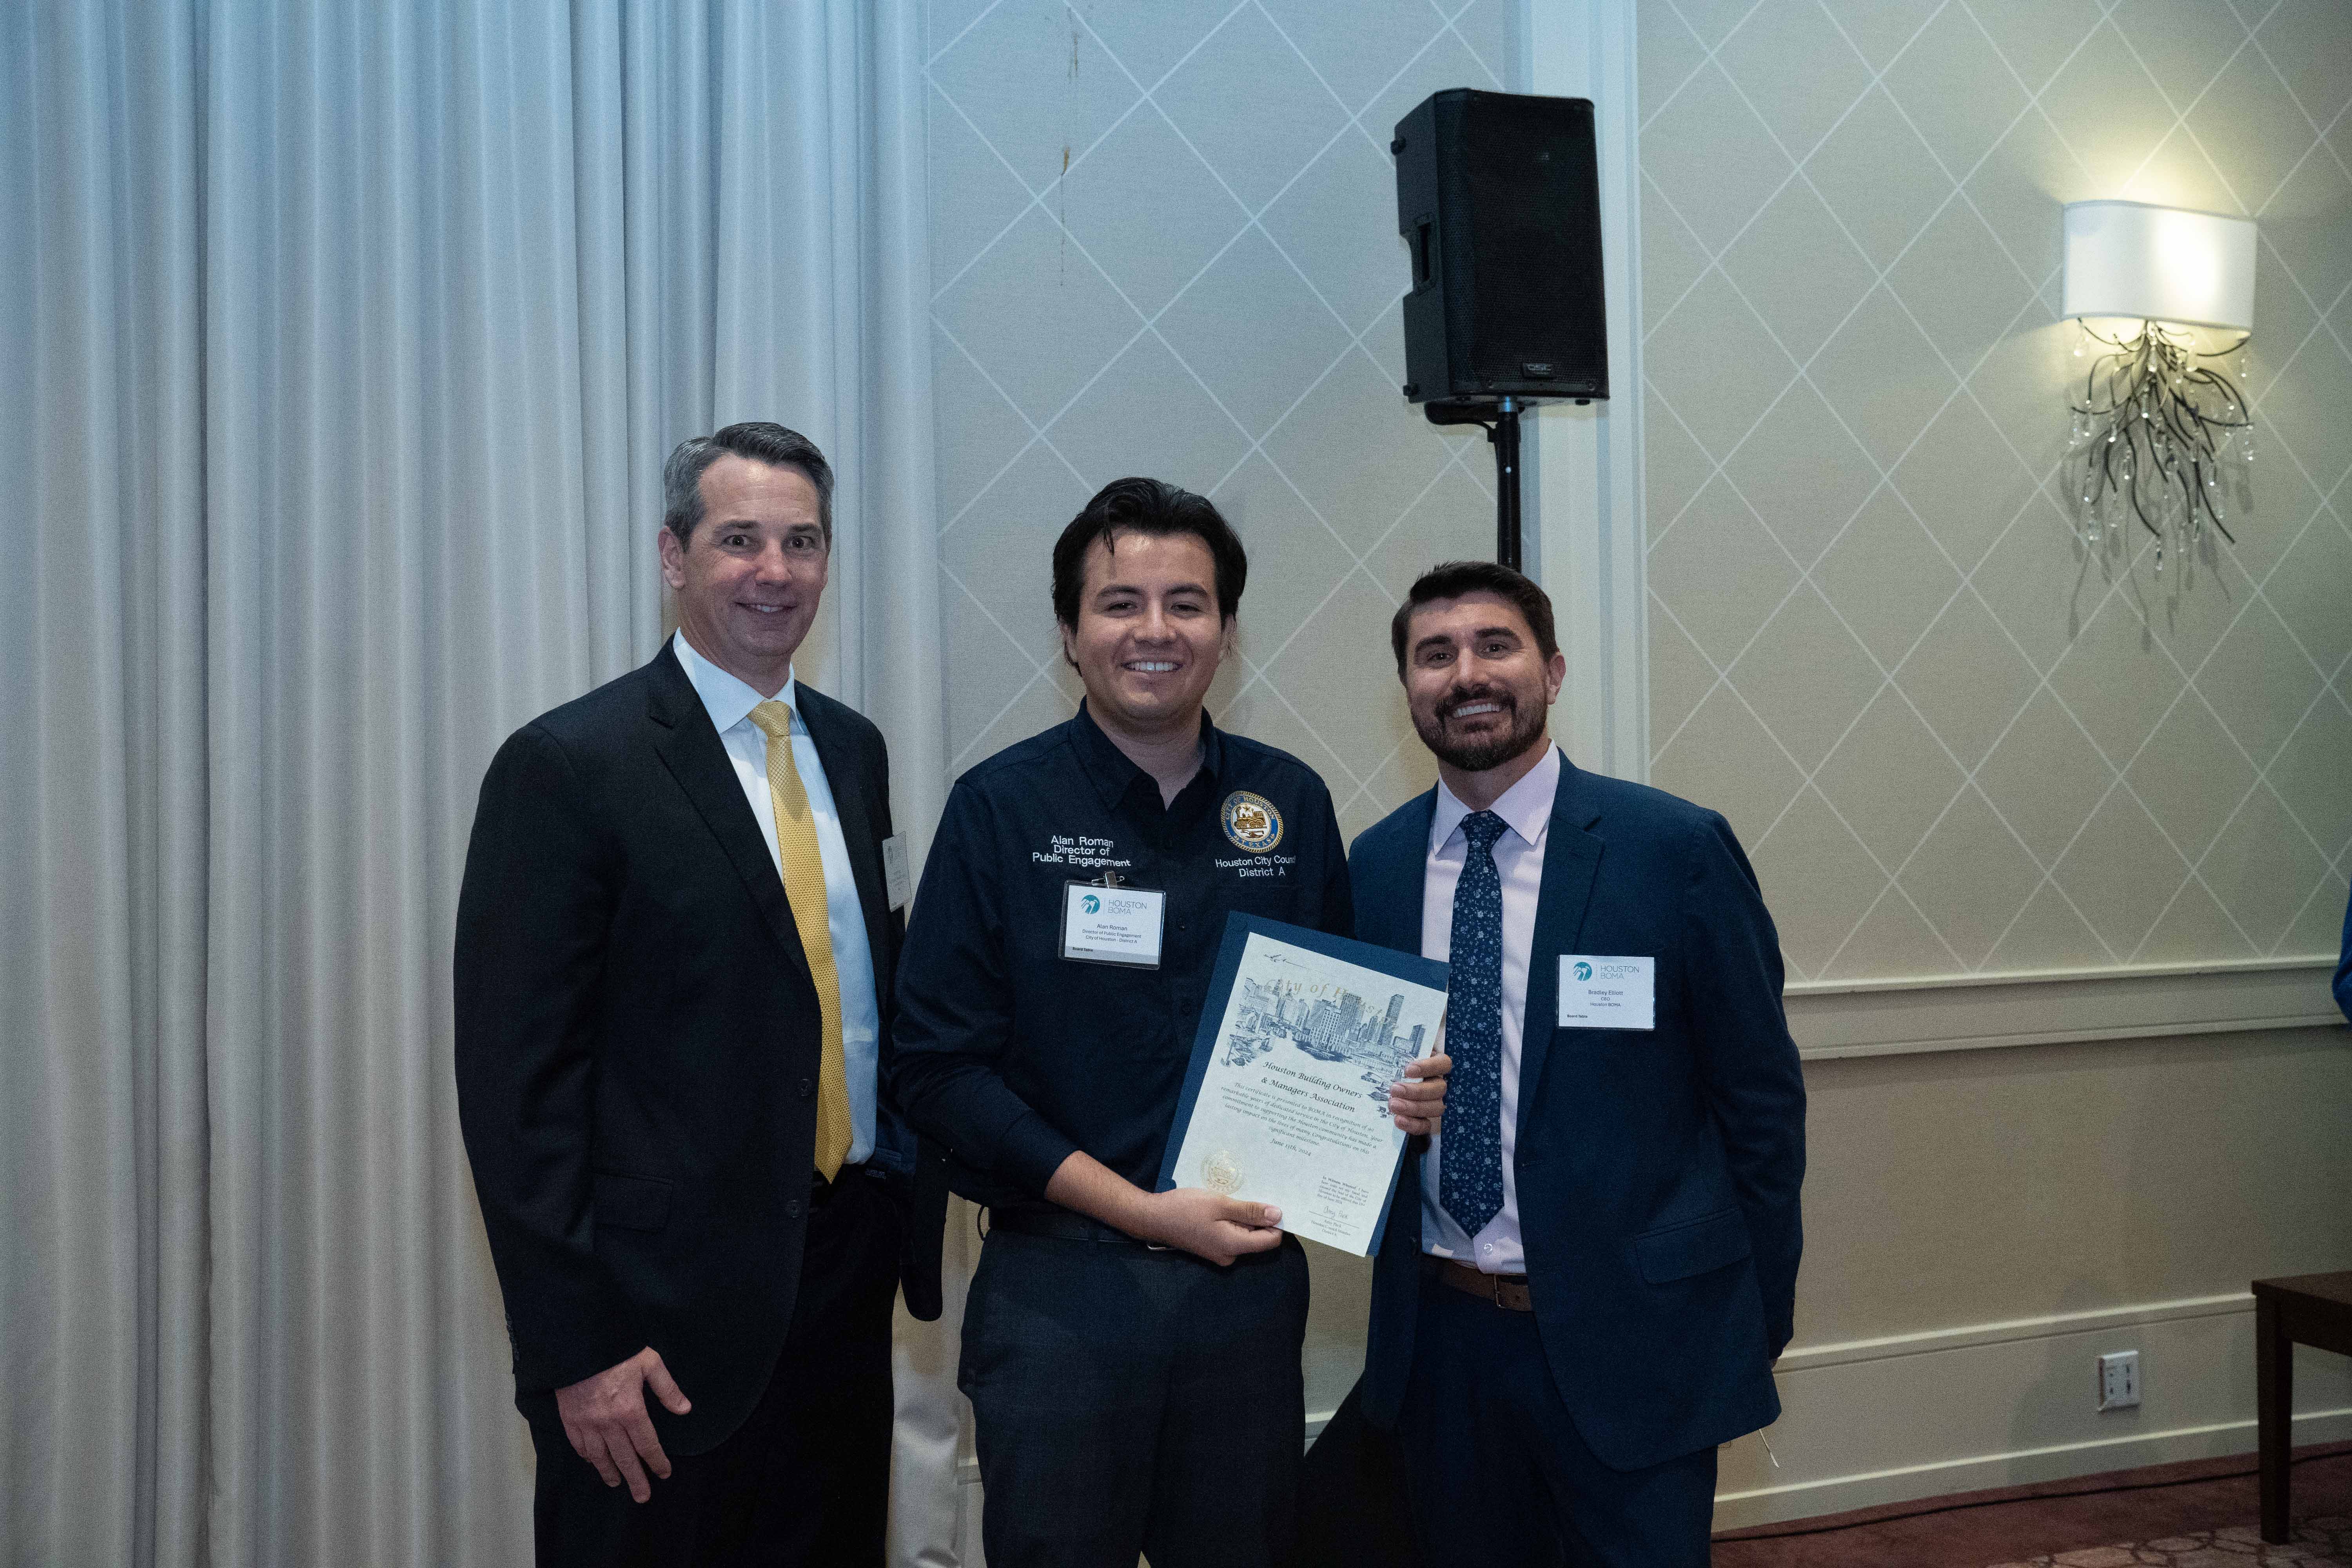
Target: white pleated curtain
(340, 347)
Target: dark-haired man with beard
(1590, 1292)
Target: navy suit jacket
(1657, 1171)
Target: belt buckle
(1496, 1282)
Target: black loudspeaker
(1498, 199)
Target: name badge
(896, 886)
(1112, 925)
(1598, 991)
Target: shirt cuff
(1030, 1151)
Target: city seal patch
(1252, 822)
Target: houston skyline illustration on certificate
(1287, 1101)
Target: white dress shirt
(729, 703)
(1526, 810)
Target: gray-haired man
(674, 966)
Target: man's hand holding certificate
(1315, 1057)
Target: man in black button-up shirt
(1132, 1356)
(1024, 1058)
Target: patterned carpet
(2192, 1513)
(2317, 1541)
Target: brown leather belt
(1505, 1290)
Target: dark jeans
(1133, 1401)
(1500, 1472)
(807, 1478)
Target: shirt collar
(726, 697)
(1114, 772)
(1525, 807)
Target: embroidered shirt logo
(1252, 821)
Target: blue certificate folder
(1388, 960)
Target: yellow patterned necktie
(804, 868)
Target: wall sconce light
(2157, 429)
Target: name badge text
(1112, 925)
(1600, 991)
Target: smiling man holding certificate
(1131, 1355)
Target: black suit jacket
(637, 1038)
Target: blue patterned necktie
(1470, 1165)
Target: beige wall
(1954, 740)
(1951, 741)
(1978, 1186)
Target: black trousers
(807, 1478)
(1129, 1401)
(1500, 1472)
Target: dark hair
(1456, 578)
(1149, 507)
(760, 440)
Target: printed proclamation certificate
(1287, 1100)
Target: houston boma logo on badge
(1252, 821)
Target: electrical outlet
(2119, 1380)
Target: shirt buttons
(807, 1088)
(793, 1208)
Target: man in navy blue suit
(1588, 1274)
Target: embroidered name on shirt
(1062, 849)
(1260, 864)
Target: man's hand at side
(606, 1417)
(1418, 1104)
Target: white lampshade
(2159, 263)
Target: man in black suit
(676, 947)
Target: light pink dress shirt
(1525, 808)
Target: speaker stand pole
(1505, 434)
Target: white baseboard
(1809, 1500)
(2101, 1320)
(1868, 1422)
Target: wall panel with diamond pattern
(1954, 739)
(1164, 242)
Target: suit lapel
(690, 748)
(1403, 883)
(1395, 894)
(859, 833)
(1572, 861)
